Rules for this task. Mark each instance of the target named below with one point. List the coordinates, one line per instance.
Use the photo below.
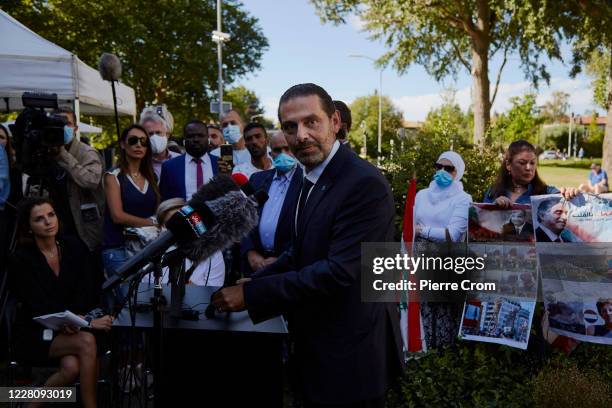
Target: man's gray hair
(152, 113)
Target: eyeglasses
(132, 140)
(447, 168)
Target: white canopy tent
(29, 62)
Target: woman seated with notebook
(49, 274)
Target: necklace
(135, 175)
(50, 254)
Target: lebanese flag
(410, 317)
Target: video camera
(37, 134)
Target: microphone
(211, 218)
(109, 67)
(260, 196)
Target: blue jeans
(112, 259)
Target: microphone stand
(115, 106)
(158, 301)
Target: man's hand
(230, 299)
(69, 329)
(256, 261)
(268, 261)
(224, 167)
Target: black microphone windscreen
(235, 214)
(109, 67)
(215, 188)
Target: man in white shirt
(158, 131)
(232, 126)
(256, 140)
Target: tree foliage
(447, 36)
(598, 68)
(247, 104)
(449, 121)
(521, 121)
(165, 46)
(555, 110)
(365, 110)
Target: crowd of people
(301, 261)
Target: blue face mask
(443, 178)
(68, 134)
(231, 133)
(284, 163)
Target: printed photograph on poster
(576, 275)
(489, 223)
(505, 238)
(497, 319)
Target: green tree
(449, 121)
(165, 46)
(447, 36)
(520, 122)
(365, 110)
(598, 68)
(247, 104)
(588, 23)
(555, 110)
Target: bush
(567, 386)
(574, 164)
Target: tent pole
(76, 107)
(116, 114)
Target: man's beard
(312, 159)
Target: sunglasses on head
(447, 168)
(132, 140)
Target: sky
(303, 49)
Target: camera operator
(79, 195)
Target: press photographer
(60, 166)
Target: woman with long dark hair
(518, 178)
(132, 195)
(49, 274)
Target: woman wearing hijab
(441, 215)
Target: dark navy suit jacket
(282, 238)
(172, 178)
(346, 350)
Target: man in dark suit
(347, 351)
(518, 229)
(552, 219)
(185, 174)
(272, 236)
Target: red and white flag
(410, 316)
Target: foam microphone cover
(235, 216)
(215, 188)
(109, 67)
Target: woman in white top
(441, 215)
(441, 210)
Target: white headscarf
(437, 193)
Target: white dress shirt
(191, 185)
(248, 169)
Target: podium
(226, 360)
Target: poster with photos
(574, 252)
(505, 239)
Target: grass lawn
(563, 176)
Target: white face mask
(158, 143)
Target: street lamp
(379, 104)
(220, 37)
